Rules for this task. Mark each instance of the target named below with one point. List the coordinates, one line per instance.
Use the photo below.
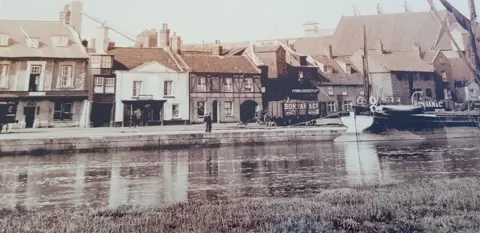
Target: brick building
(44, 64)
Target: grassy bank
(422, 206)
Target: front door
(29, 113)
(215, 111)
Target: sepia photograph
(221, 116)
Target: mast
(366, 80)
(472, 60)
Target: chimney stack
(176, 43)
(164, 37)
(380, 47)
(217, 49)
(72, 15)
(329, 51)
(102, 40)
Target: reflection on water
(166, 177)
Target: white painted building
(150, 79)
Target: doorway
(248, 111)
(101, 114)
(29, 113)
(215, 111)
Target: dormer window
(4, 40)
(33, 42)
(328, 69)
(60, 41)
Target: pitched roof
(430, 56)
(127, 58)
(399, 61)
(43, 31)
(344, 79)
(398, 32)
(206, 49)
(220, 64)
(459, 69)
(312, 45)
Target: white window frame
(177, 115)
(60, 41)
(447, 93)
(67, 78)
(228, 86)
(344, 91)
(332, 106)
(62, 111)
(106, 62)
(347, 106)
(95, 61)
(248, 87)
(165, 90)
(202, 84)
(41, 79)
(330, 90)
(135, 92)
(4, 40)
(99, 85)
(4, 71)
(109, 84)
(228, 114)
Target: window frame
(198, 108)
(248, 86)
(177, 111)
(228, 111)
(165, 90)
(63, 114)
(330, 91)
(202, 84)
(135, 92)
(228, 85)
(66, 77)
(109, 89)
(99, 84)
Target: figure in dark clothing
(208, 123)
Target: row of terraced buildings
(62, 80)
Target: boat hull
(408, 127)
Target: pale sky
(210, 20)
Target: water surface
(166, 177)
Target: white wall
(153, 84)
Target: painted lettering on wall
(430, 104)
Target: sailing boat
(373, 121)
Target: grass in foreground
(423, 206)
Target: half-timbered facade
(44, 64)
(228, 87)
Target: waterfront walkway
(43, 133)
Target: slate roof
(395, 61)
(127, 58)
(43, 31)
(398, 32)
(220, 64)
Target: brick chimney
(329, 51)
(72, 15)
(176, 43)
(102, 40)
(217, 48)
(164, 37)
(380, 47)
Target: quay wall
(158, 141)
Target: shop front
(151, 111)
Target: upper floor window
(228, 85)
(330, 90)
(137, 88)
(3, 74)
(201, 85)
(344, 91)
(33, 42)
(101, 61)
(167, 88)
(4, 39)
(60, 41)
(248, 85)
(109, 85)
(347, 106)
(332, 106)
(66, 76)
(444, 76)
(99, 86)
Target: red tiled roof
(220, 64)
(129, 58)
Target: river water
(161, 178)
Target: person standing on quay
(138, 116)
(208, 123)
